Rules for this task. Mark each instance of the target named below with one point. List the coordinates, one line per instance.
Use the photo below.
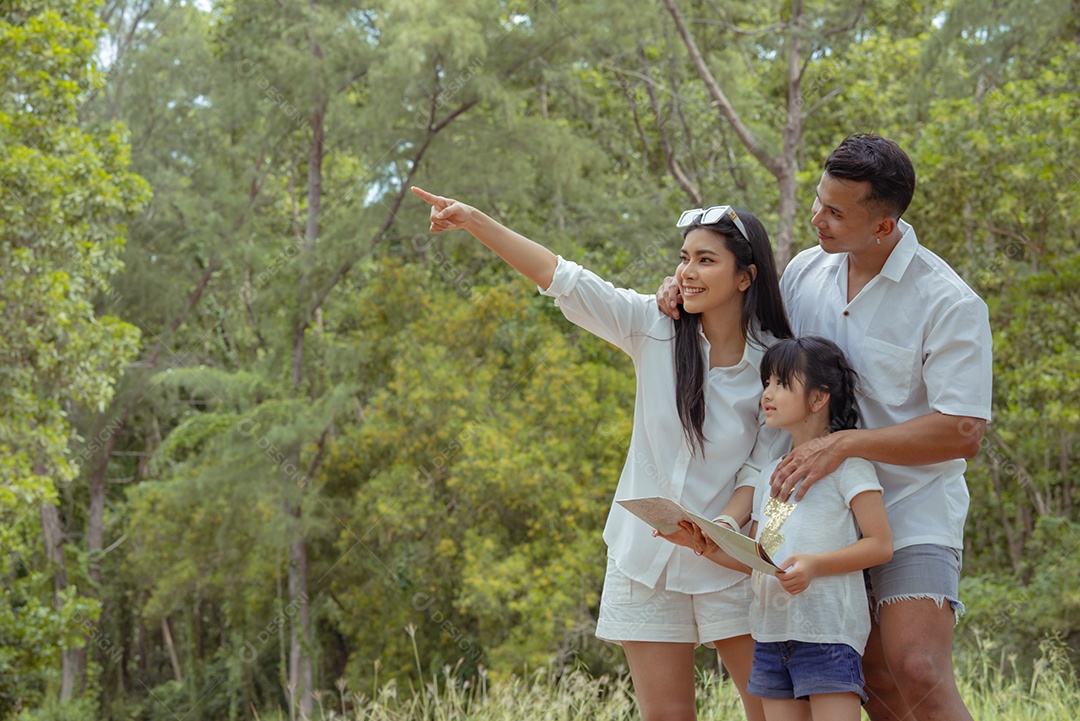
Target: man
(920, 340)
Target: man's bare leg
(916, 643)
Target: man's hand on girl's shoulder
(809, 462)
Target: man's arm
(932, 438)
(668, 298)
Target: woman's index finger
(426, 196)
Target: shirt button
(846, 313)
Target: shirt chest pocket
(886, 371)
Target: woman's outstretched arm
(529, 258)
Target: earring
(879, 241)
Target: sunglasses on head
(712, 215)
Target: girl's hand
(801, 569)
(689, 536)
(446, 213)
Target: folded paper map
(664, 515)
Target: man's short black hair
(880, 162)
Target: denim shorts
(925, 571)
(796, 669)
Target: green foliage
(998, 195)
(83, 709)
(482, 498)
(66, 191)
(32, 632)
(1006, 616)
(449, 452)
(996, 173)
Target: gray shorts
(925, 571)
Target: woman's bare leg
(664, 683)
(737, 655)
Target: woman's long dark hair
(763, 310)
(820, 365)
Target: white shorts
(632, 611)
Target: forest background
(263, 438)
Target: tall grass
(992, 685)
(995, 687)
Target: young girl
(695, 438)
(810, 621)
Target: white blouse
(660, 461)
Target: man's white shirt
(920, 340)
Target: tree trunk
(787, 178)
(53, 535)
(95, 532)
(785, 234)
(1015, 545)
(301, 639)
(166, 633)
(1064, 447)
(784, 166)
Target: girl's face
(707, 275)
(785, 406)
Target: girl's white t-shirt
(833, 609)
(660, 461)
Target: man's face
(843, 222)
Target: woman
(660, 600)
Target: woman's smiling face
(708, 275)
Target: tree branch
(356, 76)
(767, 30)
(1022, 474)
(669, 155)
(817, 106)
(1007, 233)
(683, 100)
(433, 130)
(646, 150)
(318, 455)
(747, 138)
(392, 210)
